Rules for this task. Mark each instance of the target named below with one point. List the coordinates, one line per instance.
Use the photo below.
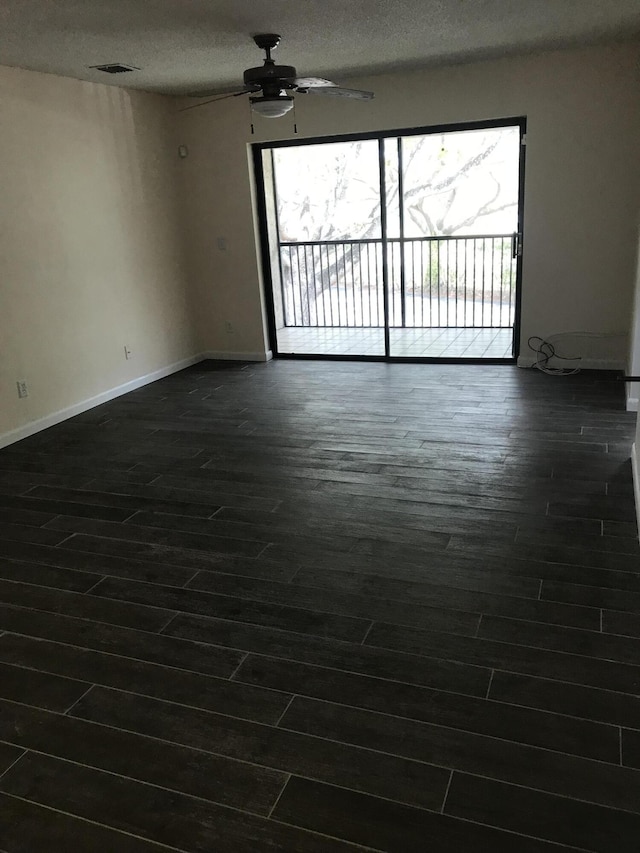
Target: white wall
(633, 388)
(90, 249)
(633, 366)
(582, 183)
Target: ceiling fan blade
(309, 82)
(213, 100)
(337, 92)
(209, 94)
(212, 93)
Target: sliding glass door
(397, 246)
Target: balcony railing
(433, 282)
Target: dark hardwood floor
(316, 607)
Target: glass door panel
(459, 213)
(326, 200)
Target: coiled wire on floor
(545, 351)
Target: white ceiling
(186, 45)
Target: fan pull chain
(251, 117)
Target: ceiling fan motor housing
(270, 77)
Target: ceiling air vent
(114, 68)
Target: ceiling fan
(270, 85)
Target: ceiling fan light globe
(272, 107)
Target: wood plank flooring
(324, 607)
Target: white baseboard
(91, 402)
(224, 355)
(636, 482)
(584, 363)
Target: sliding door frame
(257, 153)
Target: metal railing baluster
(472, 291)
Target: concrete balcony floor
(405, 343)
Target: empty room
(319, 381)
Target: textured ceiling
(182, 45)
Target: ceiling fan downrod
(267, 42)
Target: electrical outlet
(127, 352)
(22, 388)
(222, 244)
(229, 327)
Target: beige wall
(102, 227)
(582, 182)
(90, 254)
